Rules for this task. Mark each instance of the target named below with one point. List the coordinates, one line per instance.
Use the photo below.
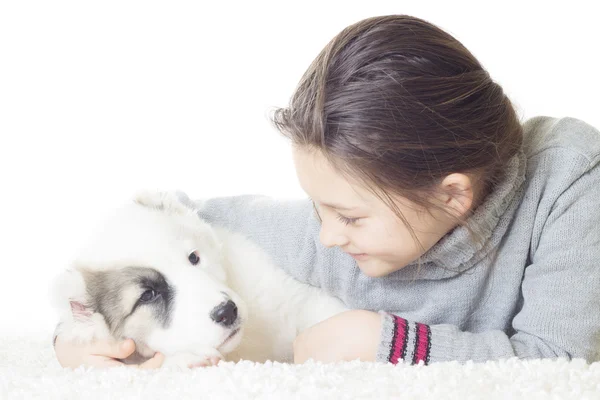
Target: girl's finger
(119, 350)
(153, 363)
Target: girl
(452, 230)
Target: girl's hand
(344, 337)
(100, 354)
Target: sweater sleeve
(286, 229)
(560, 314)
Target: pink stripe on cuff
(398, 348)
(422, 344)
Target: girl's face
(360, 223)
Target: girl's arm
(287, 230)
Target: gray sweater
(531, 291)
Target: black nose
(225, 313)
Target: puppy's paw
(192, 360)
(210, 362)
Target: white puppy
(158, 274)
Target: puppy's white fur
(159, 231)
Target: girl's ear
(457, 195)
(170, 202)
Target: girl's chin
(375, 268)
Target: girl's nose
(331, 238)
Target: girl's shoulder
(561, 137)
(559, 152)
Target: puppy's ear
(170, 202)
(80, 310)
(68, 295)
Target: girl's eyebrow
(339, 207)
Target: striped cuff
(403, 341)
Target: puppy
(158, 274)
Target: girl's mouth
(358, 256)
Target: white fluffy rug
(28, 370)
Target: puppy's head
(154, 272)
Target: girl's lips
(358, 256)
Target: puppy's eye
(148, 296)
(194, 257)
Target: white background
(99, 99)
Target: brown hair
(399, 104)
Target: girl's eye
(194, 257)
(148, 296)
(347, 221)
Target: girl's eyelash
(344, 220)
(347, 221)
